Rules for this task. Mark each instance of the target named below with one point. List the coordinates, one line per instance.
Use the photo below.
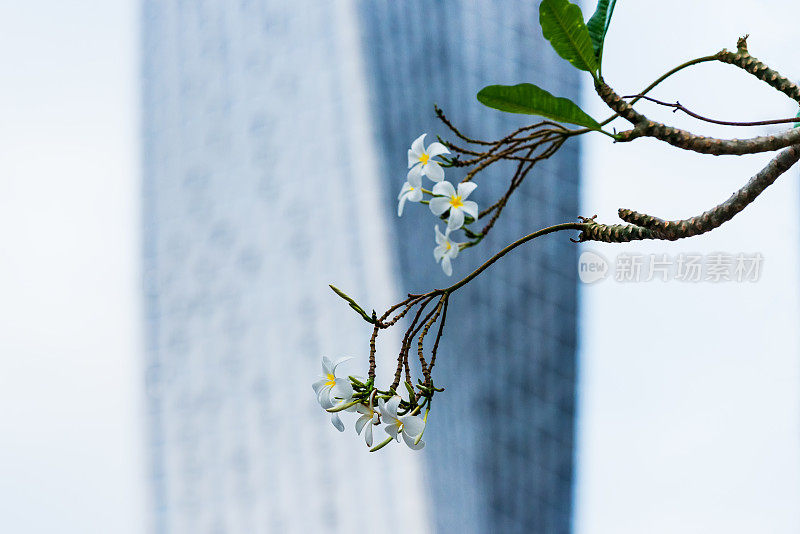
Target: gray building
(513, 471)
(260, 188)
(274, 145)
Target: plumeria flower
(336, 421)
(446, 249)
(421, 162)
(411, 191)
(369, 417)
(332, 390)
(410, 426)
(454, 201)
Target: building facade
(259, 190)
(515, 372)
(274, 146)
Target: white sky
(687, 425)
(70, 426)
(690, 398)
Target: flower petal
(436, 149)
(439, 205)
(447, 267)
(368, 434)
(392, 430)
(412, 160)
(327, 366)
(415, 195)
(456, 219)
(404, 190)
(324, 397)
(414, 176)
(444, 188)
(401, 204)
(340, 361)
(392, 405)
(438, 252)
(418, 147)
(465, 188)
(337, 422)
(413, 425)
(342, 390)
(318, 385)
(440, 237)
(471, 208)
(410, 442)
(382, 408)
(361, 421)
(408, 439)
(433, 170)
(416, 447)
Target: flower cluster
(446, 200)
(399, 418)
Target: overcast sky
(70, 368)
(689, 417)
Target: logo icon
(592, 267)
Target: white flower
(332, 390)
(457, 203)
(446, 250)
(331, 387)
(411, 191)
(420, 160)
(369, 417)
(410, 426)
(335, 419)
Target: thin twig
(679, 107)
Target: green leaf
(797, 124)
(598, 25)
(532, 100)
(562, 25)
(359, 310)
(382, 444)
(341, 406)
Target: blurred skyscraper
(260, 188)
(500, 438)
(274, 148)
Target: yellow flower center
(456, 202)
(331, 380)
(448, 245)
(424, 159)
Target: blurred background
(179, 182)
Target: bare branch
(680, 107)
(742, 59)
(648, 227)
(644, 127)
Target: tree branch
(644, 127)
(677, 106)
(742, 59)
(645, 226)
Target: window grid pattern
(501, 437)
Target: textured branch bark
(644, 127)
(645, 226)
(742, 59)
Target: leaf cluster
(579, 43)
